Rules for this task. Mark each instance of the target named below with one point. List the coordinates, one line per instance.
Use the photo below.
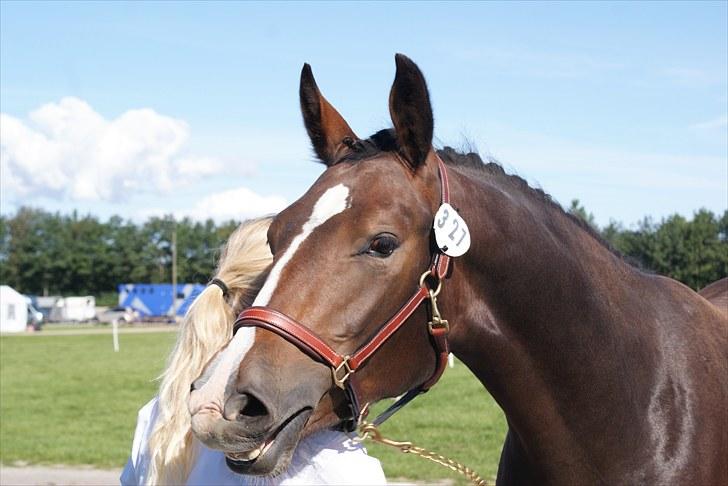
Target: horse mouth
(272, 456)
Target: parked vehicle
(45, 304)
(74, 309)
(155, 302)
(35, 317)
(119, 315)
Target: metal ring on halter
(423, 278)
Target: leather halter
(344, 367)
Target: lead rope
(371, 432)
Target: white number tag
(451, 231)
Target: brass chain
(371, 432)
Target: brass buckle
(340, 381)
(437, 321)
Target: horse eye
(382, 246)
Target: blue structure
(155, 300)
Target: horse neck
(530, 261)
(539, 307)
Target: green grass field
(72, 400)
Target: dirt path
(57, 475)
(87, 476)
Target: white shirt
(326, 457)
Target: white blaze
(332, 202)
(212, 392)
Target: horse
(717, 294)
(606, 374)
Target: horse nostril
(244, 406)
(253, 408)
(197, 384)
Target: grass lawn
(72, 400)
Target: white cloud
(237, 204)
(69, 151)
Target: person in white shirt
(165, 451)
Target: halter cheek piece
(343, 368)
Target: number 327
(456, 225)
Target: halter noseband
(343, 368)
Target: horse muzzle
(253, 415)
(273, 451)
(254, 441)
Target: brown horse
(606, 374)
(717, 294)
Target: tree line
(55, 254)
(693, 251)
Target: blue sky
(191, 108)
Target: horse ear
(329, 132)
(411, 112)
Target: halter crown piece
(344, 368)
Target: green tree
(27, 261)
(694, 252)
(577, 209)
(4, 247)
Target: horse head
(347, 255)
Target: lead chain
(371, 432)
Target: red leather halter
(344, 367)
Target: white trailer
(74, 309)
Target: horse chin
(274, 454)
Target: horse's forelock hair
(206, 327)
(362, 149)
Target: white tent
(13, 310)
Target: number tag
(451, 231)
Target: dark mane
(386, 141)
(473, 160)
